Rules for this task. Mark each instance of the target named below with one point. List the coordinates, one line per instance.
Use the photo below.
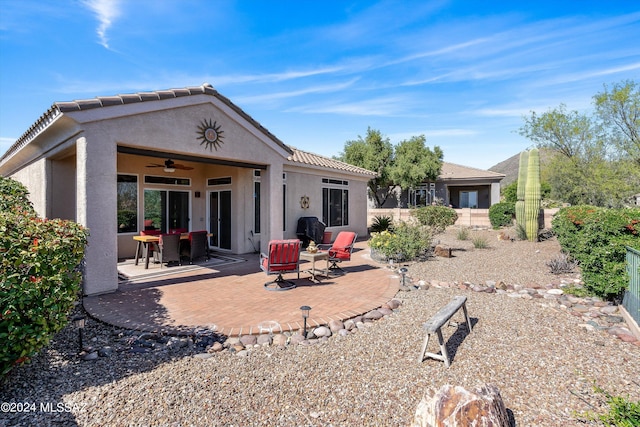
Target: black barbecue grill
(310, 228)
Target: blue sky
(319, 73)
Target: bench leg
(466, 316)
(425, 344)
(443, 348)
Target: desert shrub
(381, 223)
(502, 214)
(562, 264)
(521, 232)
(437, 218)
(463, 234)
(622, 412)
(406, 242)
(480, 242)
(597, 239)
(39, 279)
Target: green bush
(39, 279)
(381, 223)
(597, 238)
(437, 218)
(502, 214)
(405, 243)
(622, 412)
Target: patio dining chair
(283, 257)
(341, 249)
(169, 245)
(197, 246)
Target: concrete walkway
(231, 299)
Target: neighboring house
(457, 186)
(181, 158)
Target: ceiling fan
(170, 166)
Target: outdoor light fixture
(403, 271)
(79, 322)
(305, 313)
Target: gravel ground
(542, 361)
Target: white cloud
(106, 11)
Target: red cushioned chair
(197, 246)
(283, 257)
(341, 249)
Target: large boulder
(456, 407)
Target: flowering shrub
(597, 238)
(39, 279)
(406, 242)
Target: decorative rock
(385, 311)
(237, 347)
(555, 291)
(335, 325)
(203, 355)
(457, 407)
(394, 303)
(264, 340)
(322, 331)
(89, 356)
(297, 339)
(609, 309)
(105, 351)
(247, 340)
(216, 347)
(349, 325)
(373, 315)
(243, 353)
(614, 319)
(279, 341)
(343, 332)
(442, 251)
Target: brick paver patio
(232, 300)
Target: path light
(305, 313)
(403, 271)
(79, 322)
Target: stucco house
(457, 186)
(180, 158)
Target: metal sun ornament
(210, 134)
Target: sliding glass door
(166, 210)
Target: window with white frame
(127, 203)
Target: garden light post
(79, 322)
(305, 313)
(403, 271)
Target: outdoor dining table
(145, 242)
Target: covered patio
(229, 297)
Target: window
(219, 181)
(469, 199)
(127, 203)
(335, 203)
(168, 180)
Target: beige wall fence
(466, 217)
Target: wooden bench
(434, 325)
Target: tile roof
(454, 171)
(59, 108)
(312, 159)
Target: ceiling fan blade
(154, 165)
(183, 167)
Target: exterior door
(165, 210)
(220, 219)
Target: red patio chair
(341, 249)
(283, 257)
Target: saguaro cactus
(532, 196)
(522, 180)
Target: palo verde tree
(593, 162)
(619, 111)
(406, 165)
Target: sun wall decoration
(210, 134)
